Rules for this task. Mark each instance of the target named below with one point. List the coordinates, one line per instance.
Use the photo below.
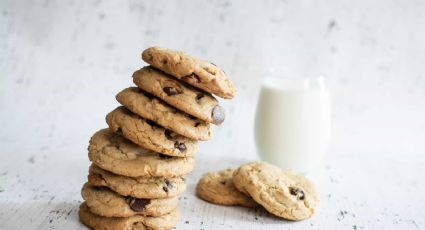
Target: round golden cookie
(114, 153)
(194, 71)
(218, 188)
(149, 135)
(179, 95)
(105, 202)
(151, 108)
(282, 193)
(138, 187)
(137, 222)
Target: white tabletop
(42, 191)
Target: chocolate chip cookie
(96, 222)
(194, 71)
(149, 135)
(218, 188)
(104, 202)
(282, 193)
(183, 97)
(114, 153)
(138, 187)
(151, 108)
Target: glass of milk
(292, 123)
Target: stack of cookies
(141, 160)
(282, 193)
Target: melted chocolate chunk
(168, 134)
(297, 192)
(199, 96)
(163, 156)
(137, 204)
(180, 146)
(192, 78)
(170, 91)
(168, 186)
(218, 115)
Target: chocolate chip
(223, 182)
(165, 61)
(297, 192)
(218, 115)
(170, 91)
(180, 146)
(168, 186)
(138, 205)
(199, 96)
(168, 135)
(193, 78)
(165, 189)
(197, 124)
(163, 156)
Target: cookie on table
(114, 153)
(94, 221)
(282, 193)
(194, 71)
(151, 108)
(104, 202)
(149, 135)
(218, 188)
(195, 102)
(138, 187)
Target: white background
(62, 62)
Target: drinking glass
(293, 122)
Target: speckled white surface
(62, 62)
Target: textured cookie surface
(218, 188)
(181, 96)
(149, 135)
(105, 202)
(137, 222)
(282, 193)
(151, 108)
(194, 71)
(114, 153)
(139, 187)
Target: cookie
(114, 153)
(136, 222)
(218, 188)
(139, 187)
(149, 135)
(194, 71)
(282, 193)
(151, 108)
(181, 96)
(104, 202)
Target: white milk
(292, 127)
